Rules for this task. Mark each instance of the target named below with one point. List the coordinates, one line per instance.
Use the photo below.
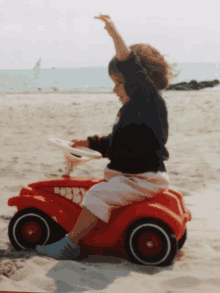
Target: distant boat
(37, 69)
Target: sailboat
(37, 74)
(37, 68)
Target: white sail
(37, 69)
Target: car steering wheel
(79, 153)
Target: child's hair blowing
(160, 72)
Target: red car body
(61, 200)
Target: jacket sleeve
(100, 144)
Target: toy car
(149, 232)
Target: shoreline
(61, 91)
(108, 91)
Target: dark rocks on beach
(193, 85)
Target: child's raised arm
(122, 50)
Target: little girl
(136, 147)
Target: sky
(65, 34)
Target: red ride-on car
(148, 232)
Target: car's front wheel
(31, 227)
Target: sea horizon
(93, 78)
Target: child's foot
(61, 250)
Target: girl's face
(119, 89)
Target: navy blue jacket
(137, 142)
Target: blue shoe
(64, 249)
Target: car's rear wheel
(151, 242)
(182, 240)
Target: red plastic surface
(56, 198)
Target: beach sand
(194, 168)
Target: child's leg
(67, 247)
(86, 221)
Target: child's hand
(80, 143)
(109, 25)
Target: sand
(194, 168)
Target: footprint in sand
(183, 282)
(41, 261)
(216, 259)
(215, 281)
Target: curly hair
(160, 72)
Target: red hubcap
(150, 244)
(31, 231)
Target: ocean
(89, 79)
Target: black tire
(182, 240)
(31, 220)
(151, 242)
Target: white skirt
(123, 189)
